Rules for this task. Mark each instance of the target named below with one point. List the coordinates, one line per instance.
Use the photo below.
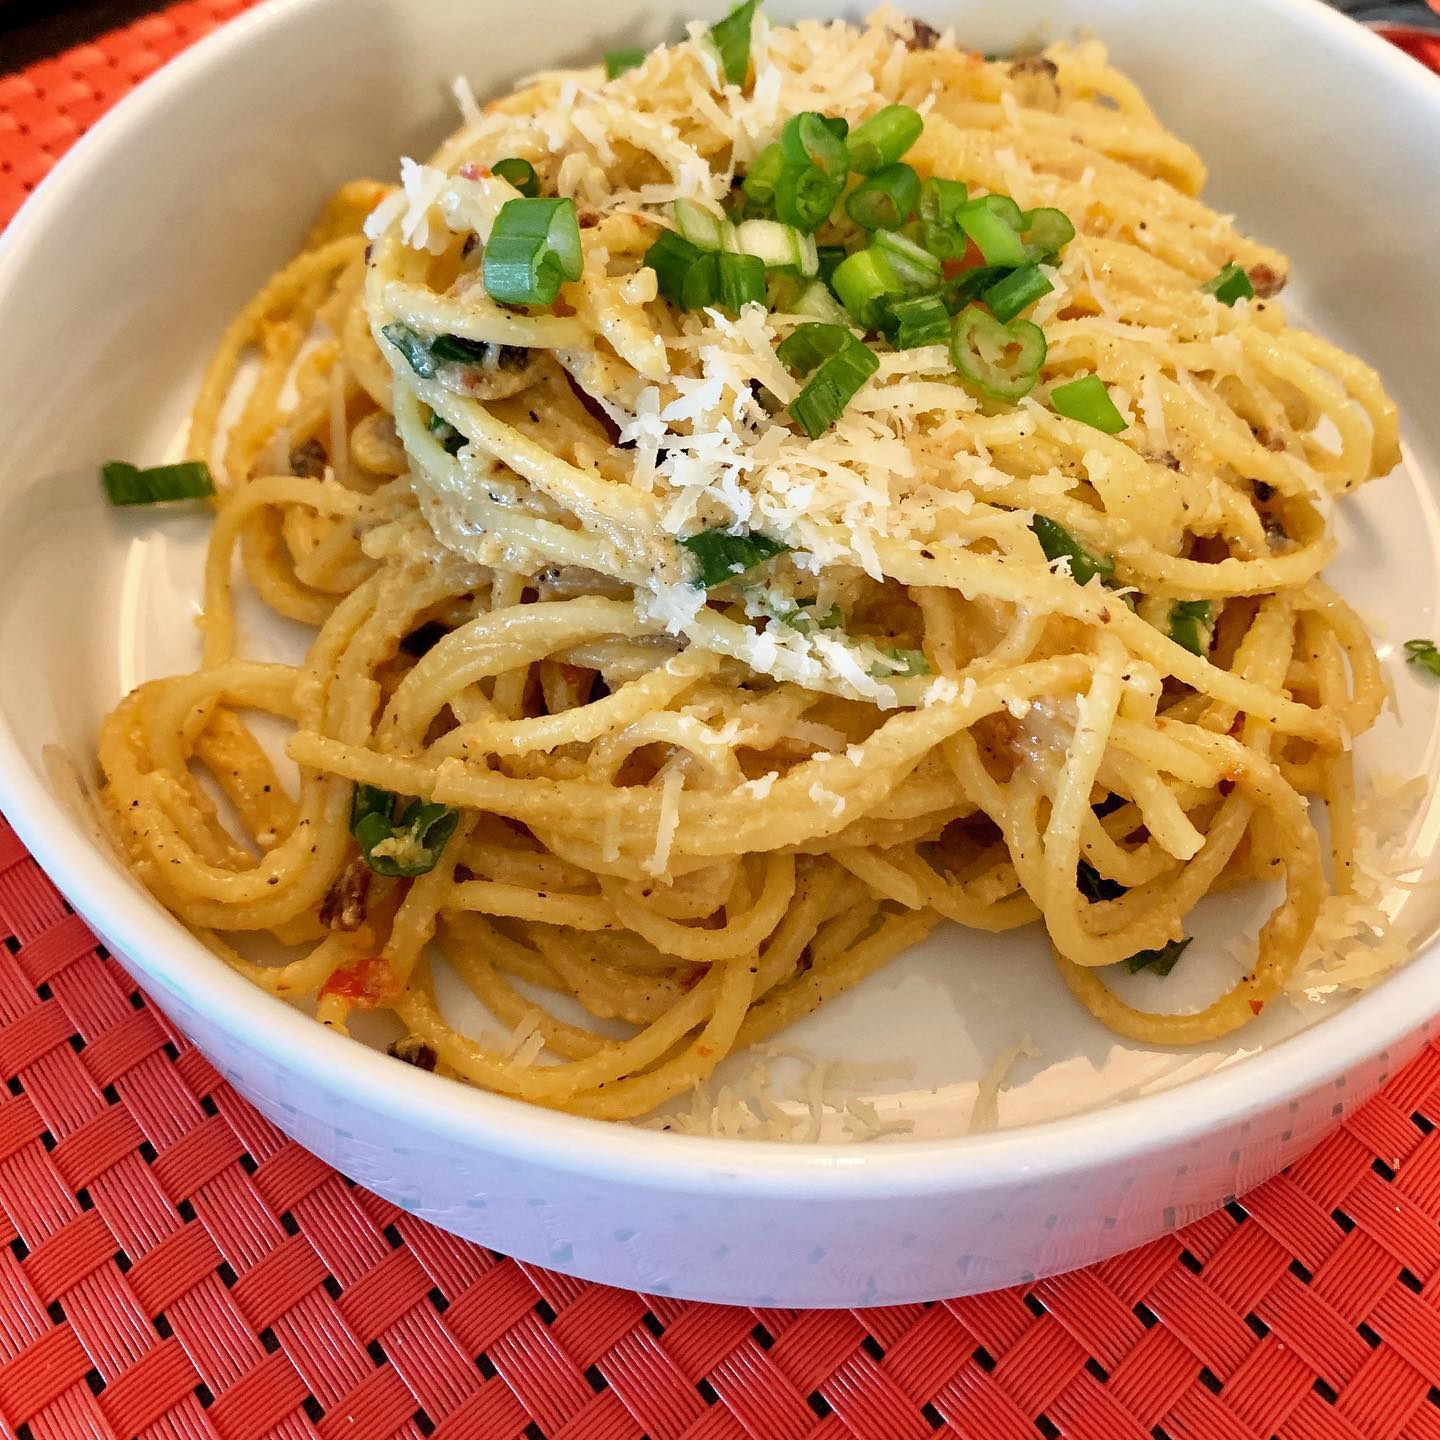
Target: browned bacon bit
(923, 36)
(414, 1051)
(343, 907)
(1266, 280)
(1034, 65)
(308, 459)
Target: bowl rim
(137, 925)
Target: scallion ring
(1002, 362)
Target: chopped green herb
(731, 39)
(413, 347)
(805, 195)
(446, 433)
(886, 199)
(1423, 655)
(741, 281)
(899, 661)
(617, 62)
(1088, 401)
(920, 320)
(800, 616)
(864, 281)
(1161, 961)
(1189, 621)
(809, 139)
(1008, 296)
(939, 203)
(534, 246)
(520, 173)
(994, 223)
(127, 484)
(837, 365)
(722, 555)
(1095, 886)
(1002, 362)
(884, 138)
(1046, 232)
(1058, 543)
(466, 352)
(411, 841)
(1230, 285)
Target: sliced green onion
(1161, 961)
(884, 138)
(1230, 285)
(900, 661)
(1095, 886)
(1001, 361)
(940, 202)
(672, 257)
(920, 320)
(1423, 655)
(520, 173)
(830, 258)
(864, 281)
(533, 246)
(817, 301)
(458, 348)
(447, 434)
(1058, 543)
(1189, 621)
(1010, 295)
(763, 176)
(722, 555)
(916, 267)
(127, 484)
(701, 286)
(805, 195)
(698, 225)
(419, 832)
(971, 284)
(783, 289)
(798, 618)
(838, 365)
(1047, 231)
(415, 350)
(742, 281)
(810, 345)
(617, 62)
(1088, 401)
(993, 222)
(808, 139)
(779, 246)
(731, 39)
(886, 199)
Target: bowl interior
(205, 183)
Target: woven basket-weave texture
(173, 1268)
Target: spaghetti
(641, 678)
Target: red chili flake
(1256, 1006)
(366, 983)
(472, 171)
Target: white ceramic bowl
(115, 280)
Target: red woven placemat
(173, 1268)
